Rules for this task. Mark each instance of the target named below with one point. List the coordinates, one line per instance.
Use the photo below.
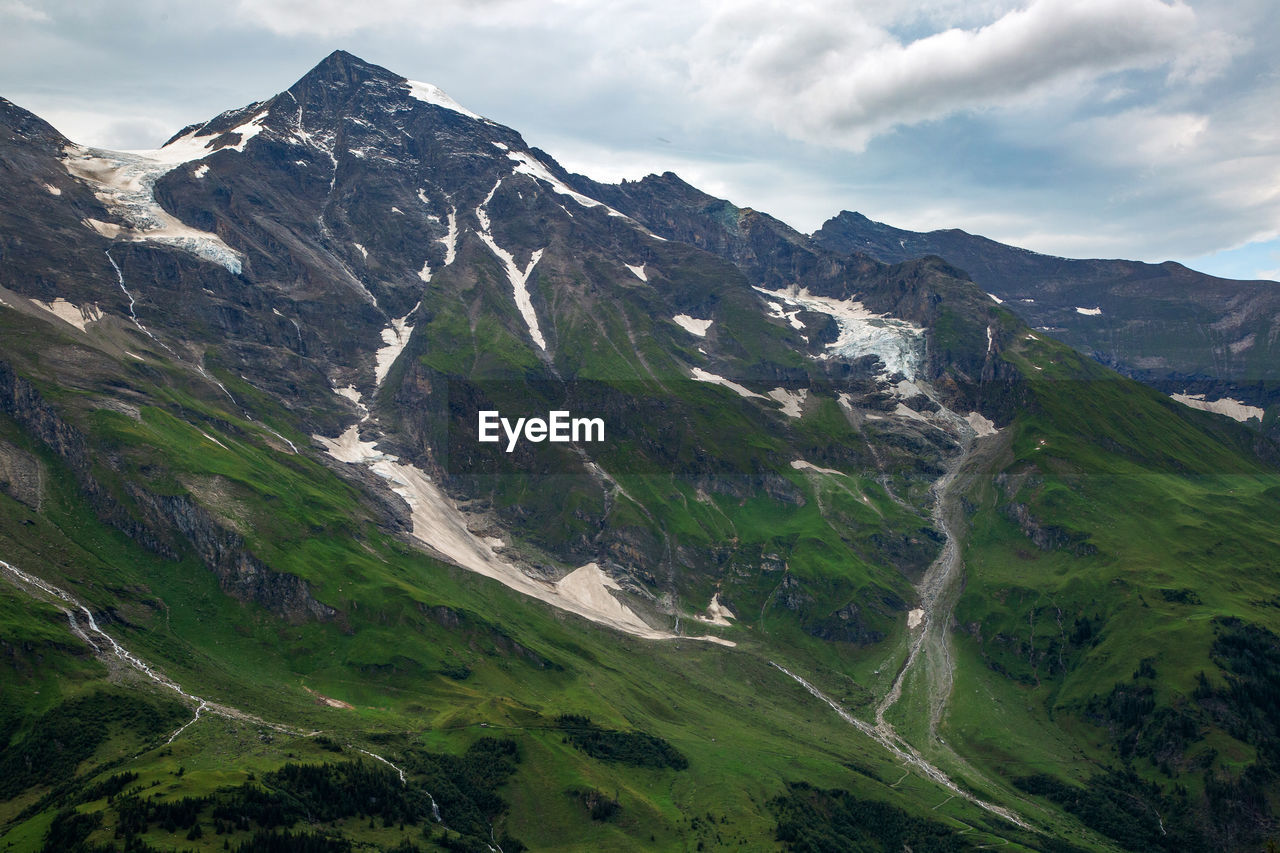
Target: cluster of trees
(597, 803)
(1232, 810)
(296, 792)
(638, 749)
(53, 745)
(465, 786)
(812, 820)
(1121, 806)
(293, 842)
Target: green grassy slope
(428, 657)
(1113, 527)
(1114, 534)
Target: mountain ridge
(1164, 324)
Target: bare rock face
(21, 476)
(168, 525)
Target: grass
(1165, 501)
(430, 655)
(217, 647)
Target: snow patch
(350, 392)
(701, 375)
(194, 145)
(791, 401)
(897, 343)
(996, 299)
(441, 526)
(982, 425)
(433, 95)
(692, 325)
(52, 190)
(450, 240)
(777, 312)
(364, 253)
(717, 613)
(638, 272)
(1089, 312)
(394, 338)
(1234, 409)
(905, 411)
(801, 465)
(214, 440)
(107, 229)
(1243, 344)
(526, 164)
(519, 279)
(482, 215)
(914, 618)
(200, 171)
(349, 448)
(77, 315)
(589, 587)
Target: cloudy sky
(1089, 128)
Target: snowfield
(125, 183)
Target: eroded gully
(929, 641)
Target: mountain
(1208, 339)
(855, 558)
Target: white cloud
(822, 73)
(16, 10)
(330, 18)
(103, 129)
(1141, 137)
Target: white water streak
(127, 657)
(904, 752)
